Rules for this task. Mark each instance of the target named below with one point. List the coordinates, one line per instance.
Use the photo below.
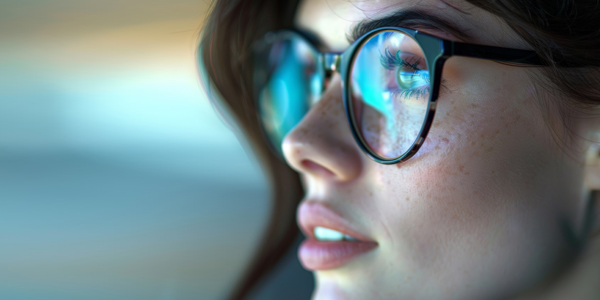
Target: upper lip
(315, 214)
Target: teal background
(117, 180)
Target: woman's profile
(429, 149)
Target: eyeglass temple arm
(494, 53)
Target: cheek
(486, 112)
(487, 148)
(486, 171)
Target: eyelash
(391, 62)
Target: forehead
(333, 20)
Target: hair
(559, 31)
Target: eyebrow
(413, 19)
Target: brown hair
(230, 30)
(560, 31)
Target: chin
(330, 290)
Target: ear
(592, 184)
(592, 168)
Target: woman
(491, 199)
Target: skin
(485, 210)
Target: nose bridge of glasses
(331, 63)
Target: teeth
(326, 234)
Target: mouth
(331, 240)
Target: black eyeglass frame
(436, 51)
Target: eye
(411, 77)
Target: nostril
(317, 169)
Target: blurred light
(117, 181)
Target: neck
(580, 280)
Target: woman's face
(481, 212)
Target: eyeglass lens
(388, 89)
(289, 82)
(389, 93)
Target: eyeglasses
(390, 84)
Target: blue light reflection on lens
(390, 91)
(368, 80)
(295, 83)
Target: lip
(324, 255)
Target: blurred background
(117, 180)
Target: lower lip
(317, 255)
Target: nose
(321, 145)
